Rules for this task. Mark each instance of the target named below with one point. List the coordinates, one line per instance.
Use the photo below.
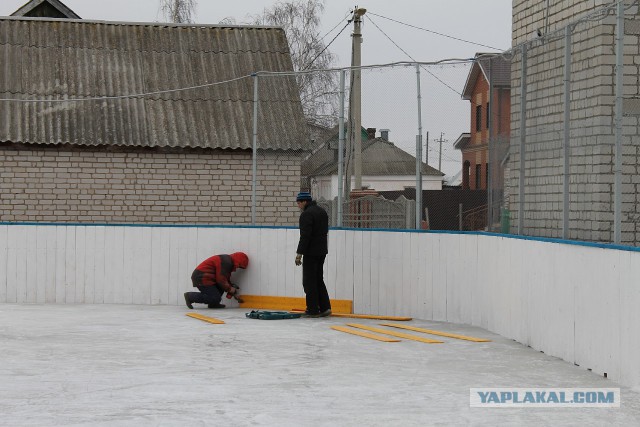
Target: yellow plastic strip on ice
(363, 334)
(362, 316)
(394, 334)
(289, 303)
(432, 332)
(206, 318)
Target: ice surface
(111, 365)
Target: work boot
(326, 313)
(187, 300)
(310, 315)
(216, 305)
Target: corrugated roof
(379, 157)
(62, 59)
(492, 66)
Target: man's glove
(298, 259)
(232, 291)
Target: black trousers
(207, 295)
(313, 283)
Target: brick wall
(479, 98)
(478, 150)
(476, 155)
(592, 122)
(150, 187)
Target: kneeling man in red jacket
(213, 278)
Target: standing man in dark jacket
(212, 277)
(314, 228)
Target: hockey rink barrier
(575, 301)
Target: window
(478, 118)
(478, 176)
(466, 171)
(487, 176)
(488, 115)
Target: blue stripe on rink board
(388, 230)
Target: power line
(435, 32)
(559, 32)
(445, 151)
(336, 26)
(411, 57)
(137, 95)
(325, 48)
(445, 156)
(332, 40)
(450, 61)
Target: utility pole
(355, 119)
(426, 160)
(440, 152)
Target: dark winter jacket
(314, 228)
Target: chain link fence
(543, 139)
(364, 160)
(540, 140)
(573, 163)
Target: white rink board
(579, 303)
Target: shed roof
(57, 59)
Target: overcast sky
(389, 96)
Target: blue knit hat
(303, 195)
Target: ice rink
(111, 365)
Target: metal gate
(372, 212)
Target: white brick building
(541, 23)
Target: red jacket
(217, 269)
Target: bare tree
(178, 11)
(301, 21)
(229, 20)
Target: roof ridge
(143, 24)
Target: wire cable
(137, 95)
(325, 48)
(336, 26)
(322, 38)
(594, 15)
(451, 61)
(445, 155)
(435, 32)
(411, 57)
